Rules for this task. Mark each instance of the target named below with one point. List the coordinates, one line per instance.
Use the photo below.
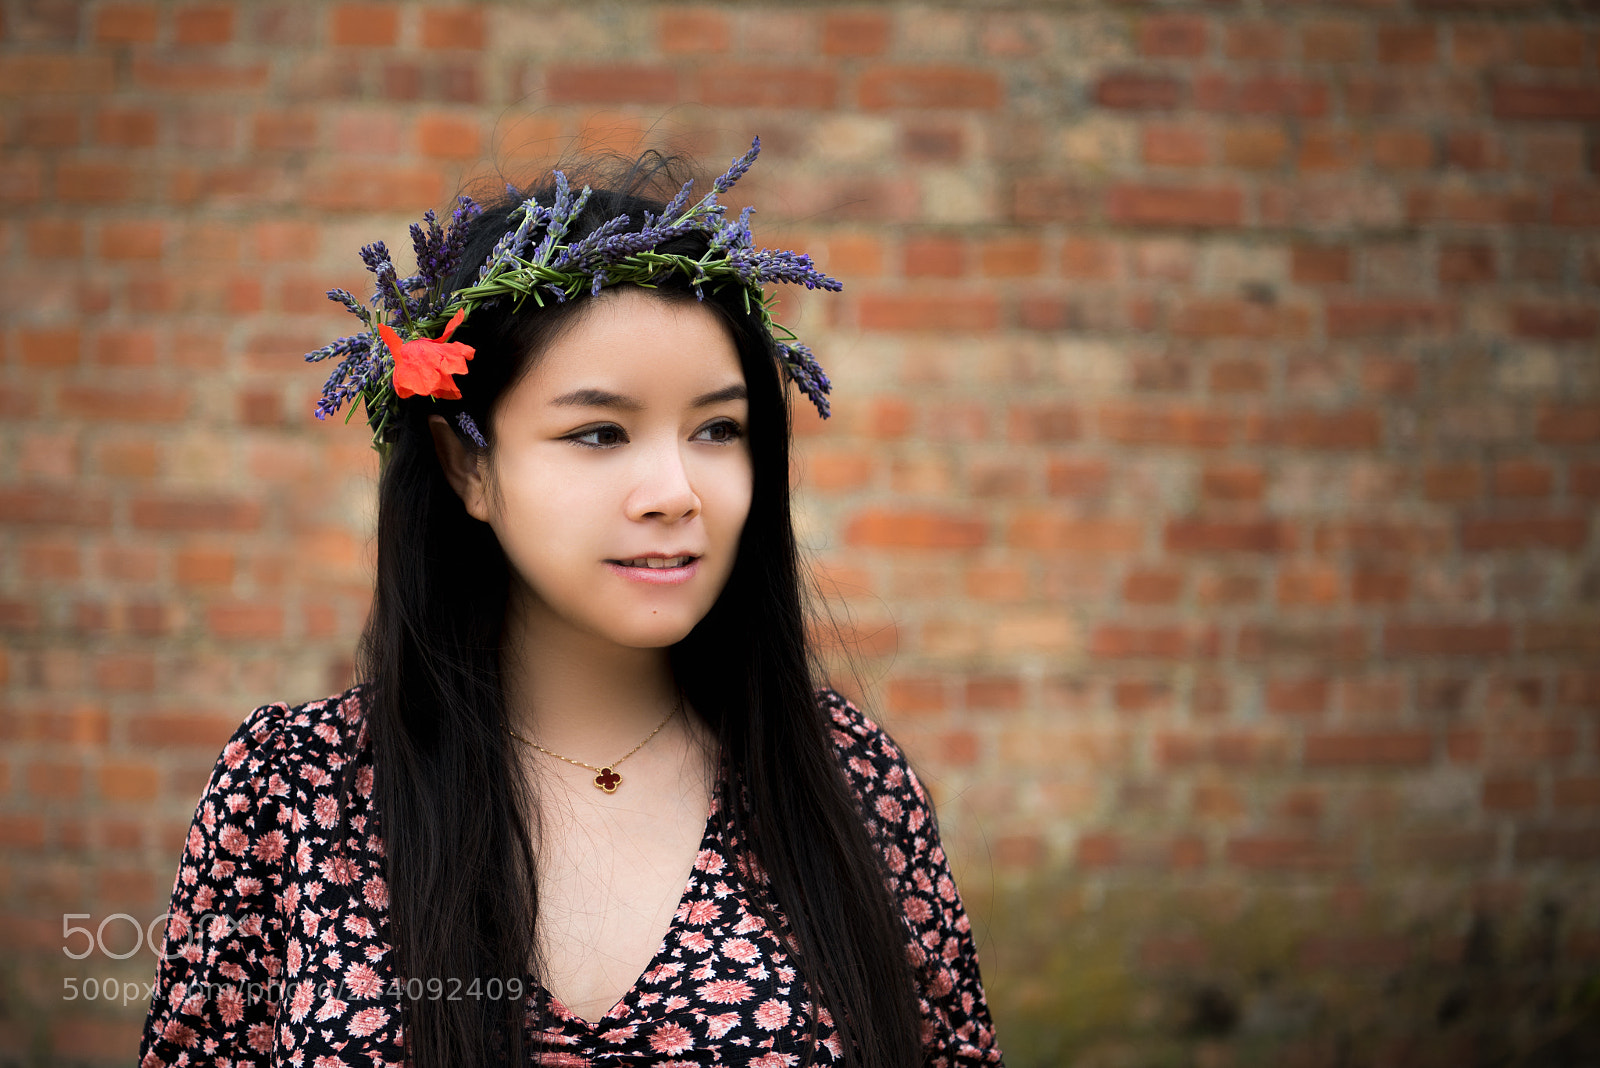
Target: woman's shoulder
(873, 763)
(324, 733)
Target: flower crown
(406, 349)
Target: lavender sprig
(737, 169)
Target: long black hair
(453, 807)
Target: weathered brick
(771, 87)
(930, 87)
(856, 33)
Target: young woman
(587, 805)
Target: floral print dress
(276, 949)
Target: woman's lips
(657, 576)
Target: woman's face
(623, 447)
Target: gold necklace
(606, 778)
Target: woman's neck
(576, 693)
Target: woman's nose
(664, 489)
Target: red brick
(1523, 478)
(1568, 424)
(60, 347)
(205, 24)
(125, 673)
(1048, 199)
(1583, 479)
(1363, 318)
(916, 697)
(1402, 149)
(1139, 91)
(1162, 643)
(459, 27)
(1578, 792)
(1328, 150)
(126, 127)
(1232, 317)
(689, 31)
(365, 25)
(1503, 794)
(201, 731)
(1446, 639)
(49, 129)
(1099, 851)
(291, 131)
(1533, 532)
(122, 781)
(20, 831)
(1176, 145)
(50, 560)
(1546, 101)
(1552, 46)
(933, 257)
(930, 87)
(1165, 424)
(1254, 147)
(855, 33)
(768, 87)
(1152, 587)
(1330, 41)
(1320, 264)
(34, 505)
(25, 74)
(239, 622)
(1148, 205)
(1578, 844)
(1287, 853)
(962, 312)
(1011, 257)
(363, 188)
(1553, 322)
(1407, 44)
(1263, 95)
(196, 513)
(1264, 535)
(1399, 748)
(125, 24)
(997, 584)
(197, 76)
(55, 239)
(1077, 478)
(1047, 533)
(1465, 264)
(886, 529)
(131, 240)
(449, 137)
(1473, 150)
(1255, 40)
(996, 692)
(1172, 35)
(1376, 586)
(124, 404)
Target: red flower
(422, 367)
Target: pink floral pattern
(277, 953)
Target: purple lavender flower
(737, 169)
(470, 429)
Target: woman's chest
(612, 873)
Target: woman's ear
(463, 468)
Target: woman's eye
(606, 436)
(724, 432)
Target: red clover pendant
(607, 780)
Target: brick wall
(1210, 503)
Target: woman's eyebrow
(604, 398)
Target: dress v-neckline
(611, 1016)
